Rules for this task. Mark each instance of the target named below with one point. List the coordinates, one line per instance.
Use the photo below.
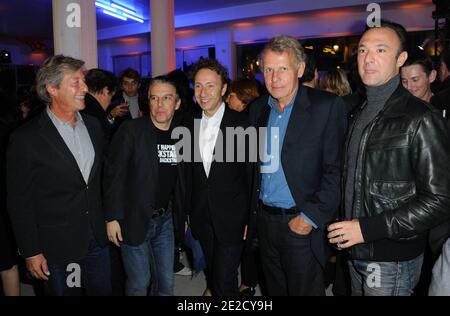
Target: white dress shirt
(209, 129)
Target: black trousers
(222, 262)
(288, 263)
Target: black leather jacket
(402, 189)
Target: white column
(162, 36)
(226, 50)
(75, 30)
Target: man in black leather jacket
(395, 173)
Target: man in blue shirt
(296, 188)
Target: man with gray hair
(53, 182)
(294, 203)
(143, 190)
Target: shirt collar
(274, 102)
(57, 121)
(217, 117)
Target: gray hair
(163, 80)
(52, 72)
(285, 43)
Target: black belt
(159, 212)
(278, 210)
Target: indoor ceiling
(33, 18)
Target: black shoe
(250, 291)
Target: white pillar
(162, 36)
(75, 30)
(226, 50)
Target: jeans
(89, 276)
(151, 263)
(370, 278)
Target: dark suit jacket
(223, 197)
(310, 157)
(131, 180)
(94, 108)
(51, 207)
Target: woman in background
(335, 81)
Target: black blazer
(310, 157)
(223, 197)
(94, 108)
(130, 180)
(51, 207)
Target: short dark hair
(211, 64)
(246, 90)
(130, 73)
(445, 57)
(310, 67)
(165, 80)
(421, 59)
(97, 79)
(399, 30)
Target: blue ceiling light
(133, 17)
(115, 15)
(127, 10)
(118, 11)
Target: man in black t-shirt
(143, 187)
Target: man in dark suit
(296, 189)
(219, 204)
(53, 182)
(101, 85)
(144, 193)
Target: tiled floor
(184, 285)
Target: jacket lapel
(196, 156)
(96, 143)
(51, 135)
(299, 120)
(223, 125)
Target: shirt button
(279, 116)
(87, 212)
(265, 195)
(275, 136)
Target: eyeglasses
(166, 99)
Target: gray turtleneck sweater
(376, 100)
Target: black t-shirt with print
(167, 165)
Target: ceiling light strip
(115, 15)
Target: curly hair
(211, 64)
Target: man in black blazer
(101, 85)
(144, 193)
(219, 203)
(53, 183)
(296, 187)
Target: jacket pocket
(389, 195)
(382, 142)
